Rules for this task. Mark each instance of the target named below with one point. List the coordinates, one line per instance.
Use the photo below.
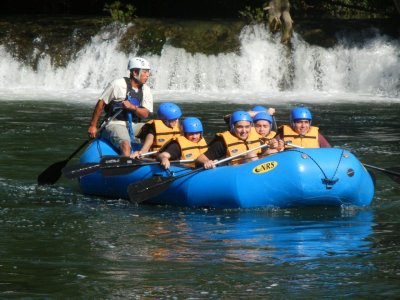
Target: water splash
(262, 68)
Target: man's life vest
(310, 140)
(134, 97)
(163, 133)
(189, 149)
(235, 146)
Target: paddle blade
(52, 173)
(80, 170)
(146, 189)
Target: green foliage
(343, 9)
(122, 12)
(252, 15)
(149, 36)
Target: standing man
(238, 139)
(134, 97)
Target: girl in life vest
(188, 146)
(262, 125)
(156, 133)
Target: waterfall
(262, 68)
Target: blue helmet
(192, 125)
(259, 108)
(168, 111)
(263, 116)
(238, 116)
(300, 113)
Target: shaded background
(194, 9)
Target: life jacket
(189, 149)
(235, 145)
(163, 133)
(310, 140)
(265, 139)
(135, 98)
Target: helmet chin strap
(137, 78)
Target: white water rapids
(262, 69)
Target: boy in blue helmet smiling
(239, 138)
(300, 132)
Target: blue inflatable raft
(293, 178)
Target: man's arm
(323, 143)
(141, 112)
(171, 151)
(95, 118)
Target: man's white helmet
(138, 63)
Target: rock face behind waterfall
(62, 37)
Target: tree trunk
(397, 4)
(279, 19)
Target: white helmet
(138, 63)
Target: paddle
(131, 165)
(146, 189)
(274, 125)
(393, 172)
(53, 172)
(110, 161)
(80, 170)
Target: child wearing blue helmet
(253, 111)
(188, 146)
(262, 125)
(156, 133)
(239, 138)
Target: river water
(57, 243)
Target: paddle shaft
(124, 169)
(84, 169)
(383, 170)
(274, 125)
(53, 172)
(289, 143)
(133, 165)
(141, 191)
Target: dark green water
(57, 243)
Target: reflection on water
(112, 249)
(234, 252)
(252, 236)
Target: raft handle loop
(328, 182)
